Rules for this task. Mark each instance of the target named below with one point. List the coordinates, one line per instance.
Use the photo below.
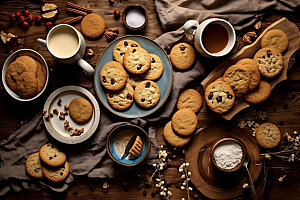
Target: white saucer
(55, 125)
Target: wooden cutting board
(249, 51)
(210, 181)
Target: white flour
(228, 154)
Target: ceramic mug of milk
(67, 45)
(214, 37)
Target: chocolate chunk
(50, 158)
(104, 79)
(112, 81)
(48, 145)
(134, 50)
(210, 96)
(37, 170)
(153, 60)
(111, 96)
(229, 96)
(61, 173)
(128, 96)
(133, 45)
(121, 54)
(142, 100)
(147, 85)
(126, 43)
(269, 53)
(219, 99)
(52, 146)
(118, 49)
(54, 155)
(139, 67)
(182, 47)
(259, 61)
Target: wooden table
(283, 108)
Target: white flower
(182, 176)
(182, 199)
(162, 182)
(180, 170)
(245, 185)
(154, 165)
(190, 188)
(184, 184)
(187, 164)
(182, 187)
(156, 185)
(189, 173)
(161, 146)
(165, 189)
(169, 193)
(183, 164)
(157, 179)
(188, 179)
(161, 168)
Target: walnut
(257, 26)
(62, 115)
(110, 36)
(113, 29)
(90, 52)
(55, 111)
(66, 107)
(249, 37)
(66, 124)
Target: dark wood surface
(283, 107)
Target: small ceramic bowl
(115, 144)
(24, 52)
(219, 142)
(140, 8)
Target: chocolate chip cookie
(51, 155)
(121, 47)
(156, 68)
(219, 96)
(270, 62)
(81, 110)
(259, 94)
(174, 139)
(137, 60)
(147, 94)
(56, 174)
(191, 99)
(182, 56)
(184, 122)
(122, 99)
(34, 166)
(268, 135)
(276, 39)
(134, 80)
(113, 76)
(238, 78)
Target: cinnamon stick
(78, 7)
(77, 12)
(72, 20)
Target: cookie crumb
(59, 102)
(55, 111)
(62, 115)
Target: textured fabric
(90, 157)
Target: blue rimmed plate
(117, 140)
(164, 82)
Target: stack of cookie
(179, 130)
(49, 162)
(26, 76)
(243, 79)
(131, 76)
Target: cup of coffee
(67, 45)
(213, 37)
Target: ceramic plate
(211, 181)
(115, 146)
(55, 126)
(164, 82)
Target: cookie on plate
(259, 94)
(184, 122)
(81, 110)
(122, 99)
(134, 80)
(34, 166)
(270, 62)
(182, 56)
(113, 76)
(56, 174)
(26, 85)
(219, 96)
(92, 26)
(29, 62)
(191, 99)
(268, 135)
(121, 47)
(147, 94)
(156, 68)
(51, 155)
(174, 139)
(238, 78)
(137, 60)
(276, 39)
(13, 70)
(40, 76)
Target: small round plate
(117, 140)
(55, 126)
(164, 82)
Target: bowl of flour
(228, 154)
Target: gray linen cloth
(90, 157)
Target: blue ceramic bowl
(164, 82)
(113, 144)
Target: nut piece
(59, 102)
(249, 37)
(90, 52)
(55, 111)
(257, 26)
(113, 29)
(62, 115)
(110, 36)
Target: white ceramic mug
(76, 57)
(192, 27)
